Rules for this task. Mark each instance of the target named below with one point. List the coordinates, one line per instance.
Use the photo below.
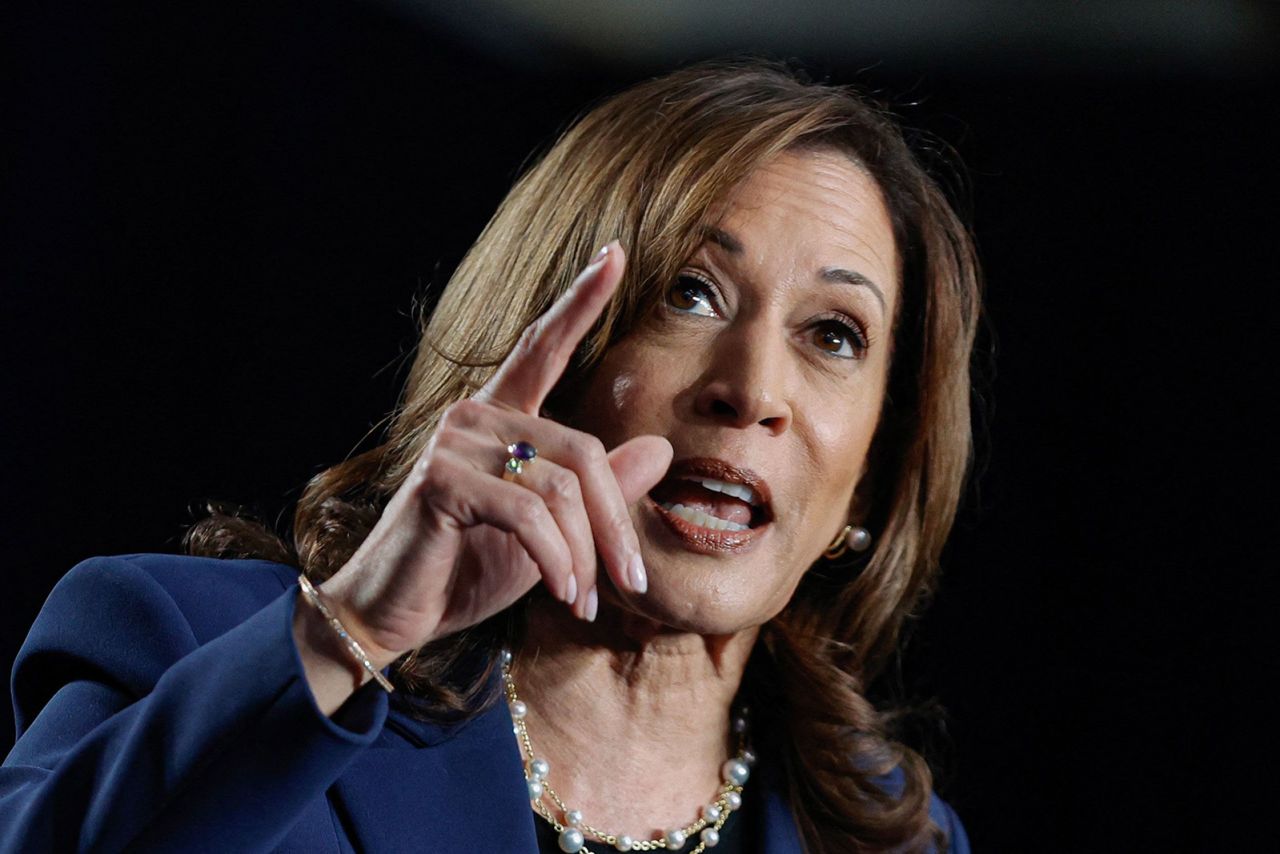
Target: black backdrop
(217, 224)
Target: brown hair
(648, 166)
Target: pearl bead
(859, 539)
(733, 800)
(535, 789)
(624, 843)
(748, 756)
(519, 710)
(711, 812)
(571, 840)
(676, 838)
(573, 818)
(739, 725)
(735, 772)
(506, 657)
(540, 768)
(710, 837)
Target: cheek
(619, 399)
(843, 438)
(842, 429)
(839, 438)
(831, 433)
(632, 386)
(623, 390)
(613, 401)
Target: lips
(733, 502)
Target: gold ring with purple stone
(521, 453)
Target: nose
(745, 381)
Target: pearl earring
(853, 537)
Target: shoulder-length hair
(648, 166)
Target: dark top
(161, 705)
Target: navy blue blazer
(161, 706)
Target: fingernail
(639, 579)
(593, 602)
(599, 257)
(571, 591)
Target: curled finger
(561, 490)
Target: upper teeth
(737, 490)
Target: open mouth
(712, 505)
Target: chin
(708, 582)
(695, 600)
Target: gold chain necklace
(569, 823)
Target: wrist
(330, 628)
(322, 652)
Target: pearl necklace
(574, 830)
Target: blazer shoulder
(126, 618)
(213, 594)
(942, 813)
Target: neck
(633, 718)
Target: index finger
(533, 368)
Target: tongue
(697, 497)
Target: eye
(840, 339)
(691, 295)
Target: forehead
(813, 190)
(821, 207)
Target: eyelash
(852, 332)
(848, 328)
(699, 283)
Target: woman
(615, 513)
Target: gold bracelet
(313, 596)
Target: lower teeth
(702, 520)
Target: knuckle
(431, 474)
(461, 413)
(590, 450)
(530, 511)
(426, 460)
(619, 521)
(530, 341)
(448, 419)
(564, 486)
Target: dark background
(217, 221)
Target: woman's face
(764, 364)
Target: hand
(457, 543)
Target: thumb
(639, 464)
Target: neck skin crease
(633, 717)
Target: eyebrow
(839, 275)
(850, 277)
(724, 240)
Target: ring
(521, 453)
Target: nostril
(720, 407)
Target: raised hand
(458, 543)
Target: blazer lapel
(776, 826)
(426, 788)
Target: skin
(749, 379)
(629, 689)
